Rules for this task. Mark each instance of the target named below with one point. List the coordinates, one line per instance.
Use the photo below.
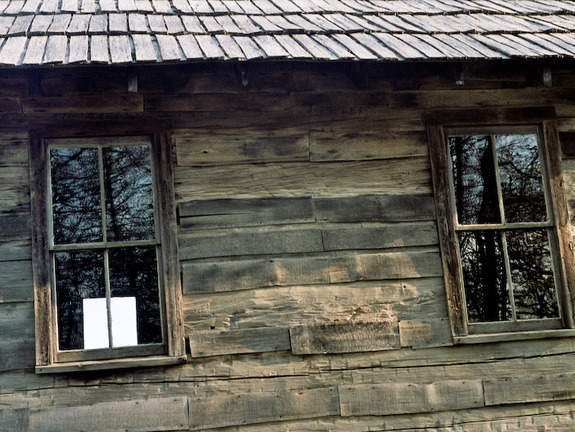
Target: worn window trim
(48, 358)
(543, 119)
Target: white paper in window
(95, 323)
(124, 328)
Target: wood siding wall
(313, 292)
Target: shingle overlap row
(40, 32)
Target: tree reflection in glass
(532, 274)
(507, 270)
(128, 191)
(76, 205)
(133, 271)
(79, 275)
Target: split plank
(245, 212)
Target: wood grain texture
(245, 212)
(196, 148)
(250, 242)
(253, 408)
(253, 340)
(155, 414)
(405, 398)
(306, 270)
(344, 337)
(17, 329)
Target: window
(502, 225)
(106, 294)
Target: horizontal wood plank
(413, 299)
(365, 236)
(379, 143)
(112, 103)
(422, 333)
(382, 208)
(262, 407)
(251, 242)
(530, 388)
(220, 149)
(407, 398)
(245, 212)
(329, 179)
(154, 414)
(344, 337)
(307, 270)
(253, 340)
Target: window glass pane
(128, 190)
(75, 195)
(532, 274)
(134, 273)
(79, 275)
(521, 181)
(474, 180)
(484, 276)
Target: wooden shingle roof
(42, 32)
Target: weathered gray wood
(405, 398)
(304, 270)
(16, 420)
(393, 176)
(245, 212)
(262, 407)
(422, 333)
(413, 299)
(383, 208)
(17, 330)
(529, 388)
(250, 242)
(344, 337)
(341, 144)
(252, 340)
(379, 237)
(15, 226)
(15, 250)
(195, 149)
(155, 414)
(120, 49)
(16, 281)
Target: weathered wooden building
(287, 215)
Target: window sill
(87, 366)
(512, 336)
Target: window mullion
(509, 284)
(108, 297)
(497, 178)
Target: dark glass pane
(128, 186)
(532, 274)
(521, 181)
(484, 276)
(134, 273)
(75, 195)
(79, 275)
(474, 180)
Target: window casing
(503, 228)
(107, 292)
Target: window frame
(486, 122)
(172, 350)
